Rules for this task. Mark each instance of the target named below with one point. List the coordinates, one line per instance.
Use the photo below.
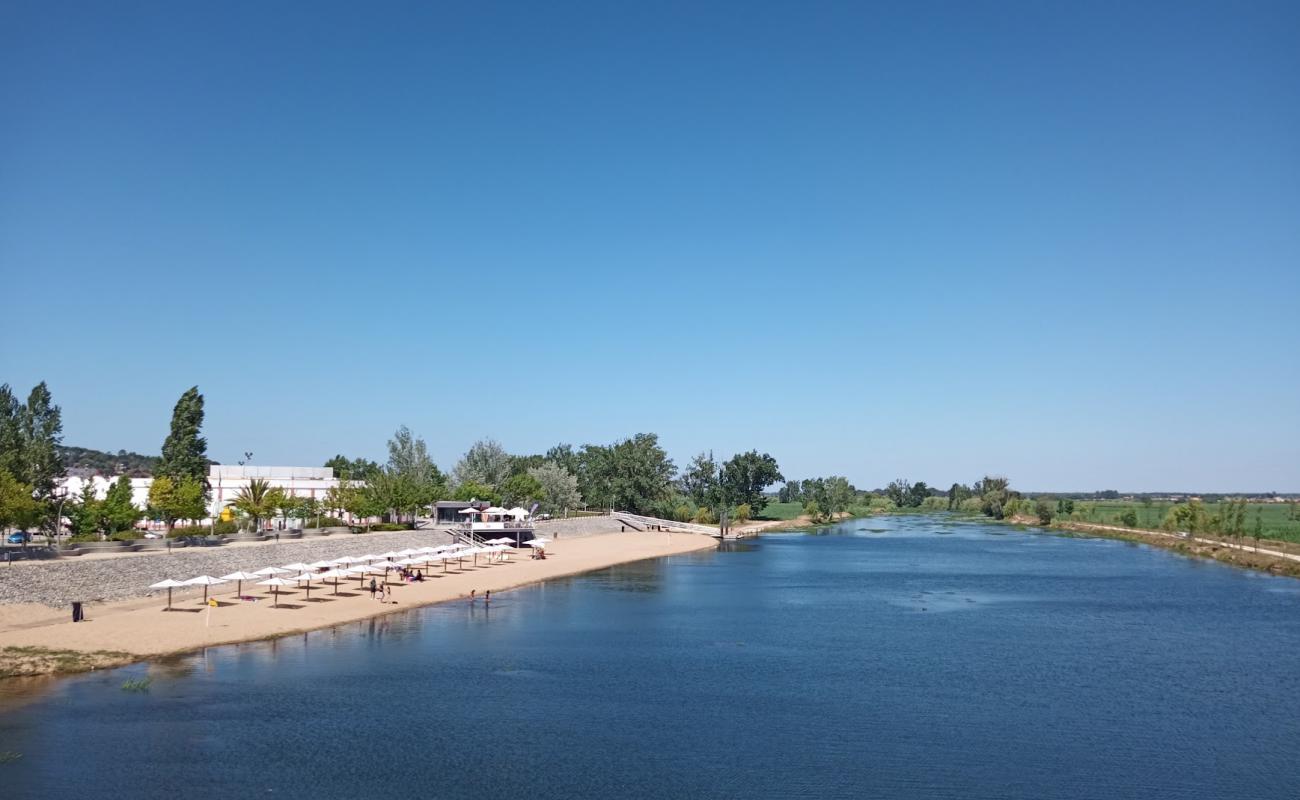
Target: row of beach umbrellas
(346, 567)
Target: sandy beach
(141, 627)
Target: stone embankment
(58, 582)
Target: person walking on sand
(373, 588)
(388, 594)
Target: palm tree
(257, 500)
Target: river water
(906, 657)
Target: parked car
(19, 537)
(153, 535)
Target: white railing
(636, 520)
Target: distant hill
(88, 461)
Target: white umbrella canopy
(335, 574)
(541, 540)
(270, 571)
(410, 551)
(169, 584)
(517, 513)
(241, 577)
(205, 581)
(428, 549)
(322, 565)
(369, 558)
(297, 566)
(277, 583)
(495, 511)
(409, 562)
(468, 511)
(535, 543)
(346, 560)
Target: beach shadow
(316, 599)
(185, 610)
(345, 594)
(289, 606)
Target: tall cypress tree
(41, 430)
(11, 437)
(185, 452)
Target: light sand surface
(142, 627)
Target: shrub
(1045, 511)
(683, 514)
(705, 517)
(125, 536)
(743, 513)
(226, 528)
(1129, 518)
(390, 526)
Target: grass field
(782, 511)
(1275, 517)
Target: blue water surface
(904, 657)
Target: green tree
(956, 494)
(1258, 531)
(919, 492)
(900, 491)
(520, 489)
(1044, 509)
(476, 491)
(174, 499)
(258, 501)
(41, 430)
(700, 480)
(116, 512)
(410, 481)
(995, 495)
(358, 469)
(185, 451)
(486, 462)
(11, 436)
(1064, 506)
(559, 488)
(1129, 518)
(1189, 517)
(745, 477)
(640, 473)
(19, 508)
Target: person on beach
(373, 588)
(487, 597)
(388, 594)
(471, 595)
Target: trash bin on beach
(77, 613)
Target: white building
(226, 482)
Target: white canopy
(410, 551)
(268, 571)
(276, 582)
(390, 554)
(468, 511)
(320, 564)
(428, 549)
(333, 573)
(170, 583)
(495, 511)
(347, 560)
(205, 580)
(540, 540)
(297, 566)
(517, 513)
(241, 576)
(306, 576)
(535, 543)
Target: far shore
(33, 641)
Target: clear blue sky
(1055, 241)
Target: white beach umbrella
(335, 575)
(241, 577)
(409, 562)
(536, 543)
(305, 576)
(428, 549)
(205, 581)
(390, 554)
(298, 566)
(495, 511)
(345, 560)
(272, 571)
(410, 551)
(518, 513)
(169, 584)
(541, 540)
(277, 583)
(322, 565)
(468, 511)
(369, 558)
